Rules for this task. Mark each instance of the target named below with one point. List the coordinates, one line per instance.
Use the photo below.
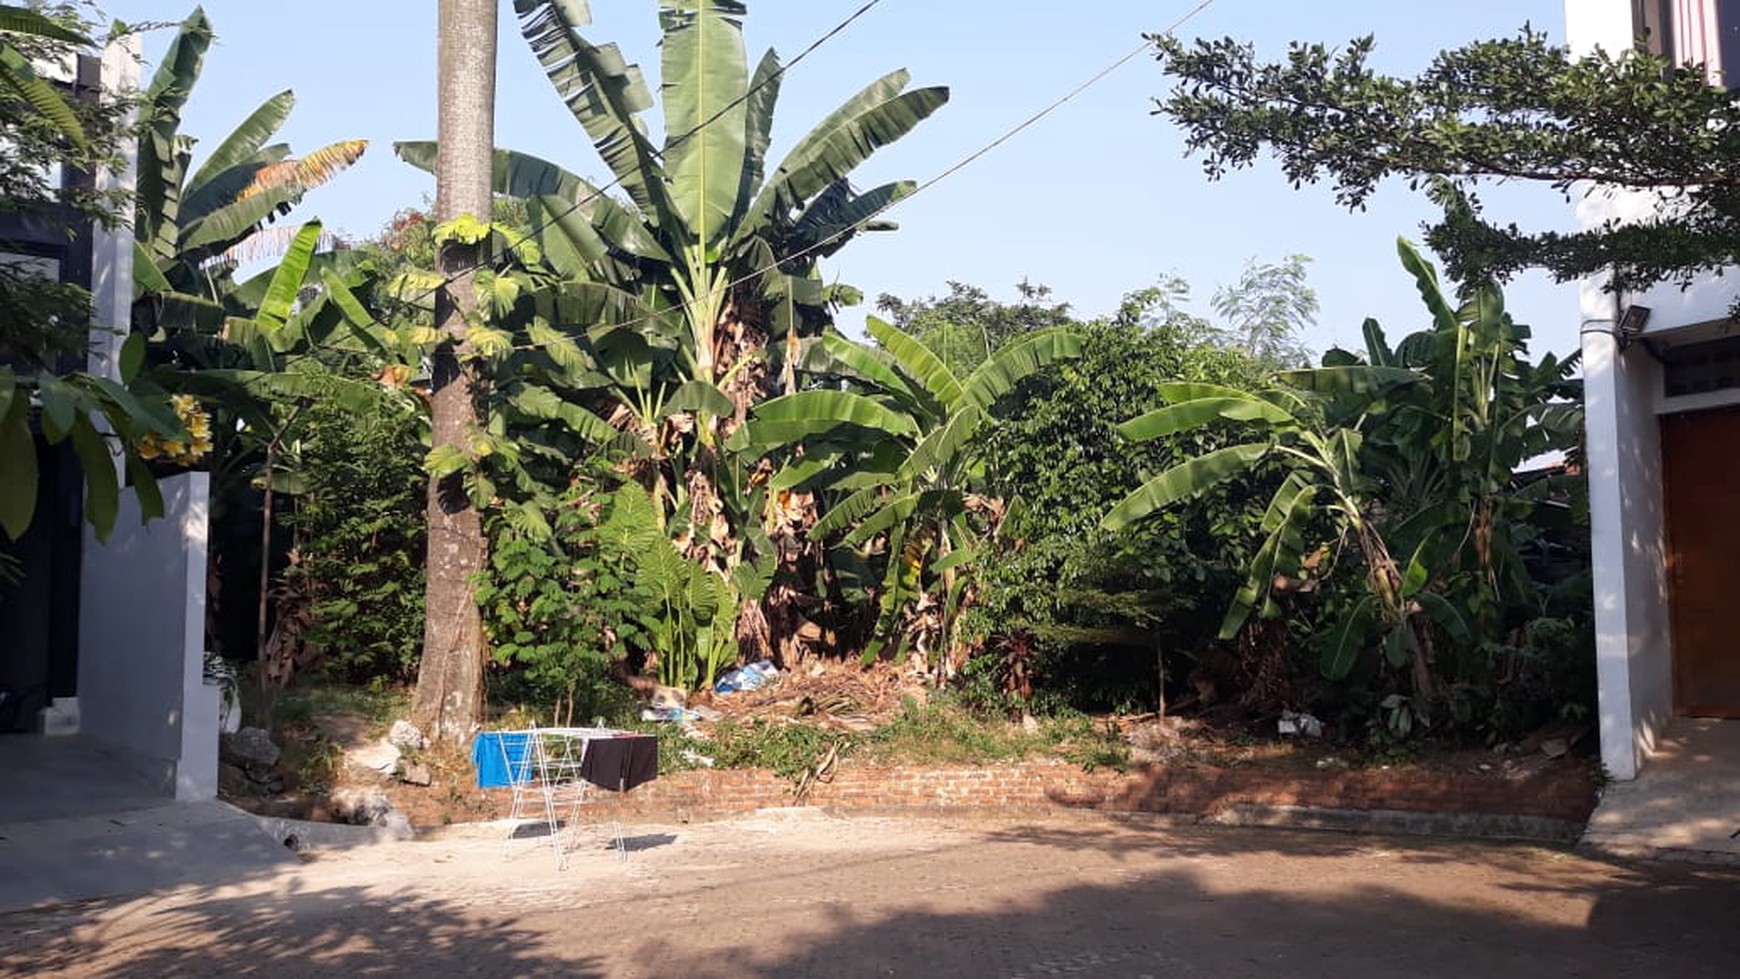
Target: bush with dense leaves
(356, 521)
(1098, 603)
(561, 605)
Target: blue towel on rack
(498, 756)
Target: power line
(670, 144)
(947, 172)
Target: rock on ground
(379, 757)
(250, 748)
(407, 736)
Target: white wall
(1628, 549)
(1622, 388)
(112, 248)
(141, 642)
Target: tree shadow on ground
(1582, 919)
(1130, 834)
(1101, 899)
(343, 931)
(1127, 834)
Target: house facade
(1662, 387)
(104, 640)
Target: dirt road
(794, 894)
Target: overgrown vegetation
(354, 500)
(1400, 527)
(681, 463)
(944, 730)
(561, 608)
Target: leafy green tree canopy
(1264, 312)
(46, 129)
(1518, 108)
(965, 327)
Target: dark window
(1698, 368)
(1704, 31)
(1652, 22)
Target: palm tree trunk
(449, 697)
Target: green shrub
(357, 526)
(561, 607)
(787, 750)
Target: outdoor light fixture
(1632, 321)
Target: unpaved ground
(803, 893)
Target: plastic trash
(749, 677)
(1300, 723)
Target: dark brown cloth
(622, 762)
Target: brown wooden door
(1701, 470)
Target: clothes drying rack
(544, 775)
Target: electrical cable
(944, 174)
(680, 139)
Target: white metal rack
(543, 766)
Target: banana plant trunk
(448, 703)
(1387, 579)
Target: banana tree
(1450, 448)
(19, 80)
(104, 420)
(291, 323)
(1404, 458)
(897, 457)
(717, 251)
(1326, 486)
(294, 338)
(193, 225)
(556, 393)
(707, 232)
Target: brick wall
(1561, 792)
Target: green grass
(943, 732)
(380, 704)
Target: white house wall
(1622, 388)
(1627, 547)
(142, 691)
(112, 248)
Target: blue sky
(1095, 201)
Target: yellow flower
(181, 451)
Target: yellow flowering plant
(181, 451)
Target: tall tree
(1264, 313)
(705, 268)
(967, 326)
(449, 696)
(1512, 109)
